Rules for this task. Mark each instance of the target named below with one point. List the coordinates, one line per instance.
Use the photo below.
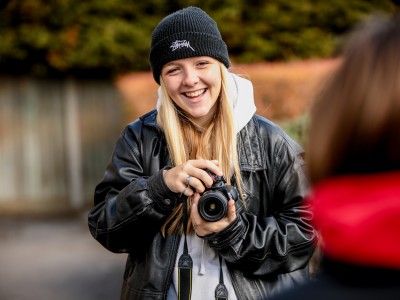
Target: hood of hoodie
(243, 100)
(358, 217)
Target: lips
(194, 94)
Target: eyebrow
(171, 64)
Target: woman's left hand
(203, 227)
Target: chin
(199, 114)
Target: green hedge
(102, 38)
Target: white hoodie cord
(202, 269)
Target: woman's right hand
(191, 174)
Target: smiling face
(194, 84)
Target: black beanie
(186, 33)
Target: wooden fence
(56, 137)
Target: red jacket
(359, 218)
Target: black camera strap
(221, 292)
(185, 267)
(185, 263)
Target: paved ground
(56, 260)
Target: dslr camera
(213, 202)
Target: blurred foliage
(297, 128)
(108, 37)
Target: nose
(190, 78)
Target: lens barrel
(212, 206)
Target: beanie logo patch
(178, 44)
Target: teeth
(195, 93)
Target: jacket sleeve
(130, 206)
(273, 235)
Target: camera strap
(185, 263)
(221, 292)
(185, 267)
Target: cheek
(217, 89)
(171, 86)
(215, 81)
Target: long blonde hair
(186, 140)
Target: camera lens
(212, 206)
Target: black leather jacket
(266, 248)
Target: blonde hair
(187, 140)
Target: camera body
(213, 202)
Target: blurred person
(354, 166)
(203, 144)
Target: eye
(171, 71)
(202, 64)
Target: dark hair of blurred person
(356, 123)
(354, 165)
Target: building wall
(56, 137)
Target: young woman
(354, 165)
(203, 137)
